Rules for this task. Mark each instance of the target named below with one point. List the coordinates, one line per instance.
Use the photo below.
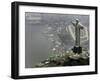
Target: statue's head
(77, 21)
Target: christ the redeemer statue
(77, 48)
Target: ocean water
(42, 28)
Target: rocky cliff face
(67, 59)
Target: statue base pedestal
(77, 50)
